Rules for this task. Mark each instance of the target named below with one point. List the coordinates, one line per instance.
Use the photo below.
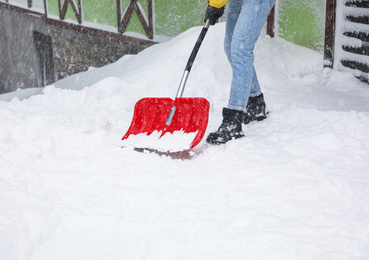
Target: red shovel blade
(150, 114)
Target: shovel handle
(192, 58)
(197, 45)
(190, 62)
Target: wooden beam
(125, 18)
(45, 8)
(77, 11)
(330, 33)
(271, 23)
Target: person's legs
(244, 34)
(234, 10)
(244, 22)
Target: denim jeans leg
(234, 10)
(245, 20)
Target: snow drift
(296, 187)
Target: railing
(350, 34)
(135, 5)
(355, 40)
(123, 18)
(63, 7)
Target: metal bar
(182, 84)
(190, 62)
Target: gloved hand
(213, 14)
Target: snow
(296, 187)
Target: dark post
(151, 21)
(330, 31)
(45, 7)
(270, 22)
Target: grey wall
(72, 51)
(17, 53)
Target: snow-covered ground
(296, 187)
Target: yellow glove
(217, 3)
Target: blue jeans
(245, 20)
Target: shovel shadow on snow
(180, 155)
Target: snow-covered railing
(26, 6)
(39, 8)
(352, 38)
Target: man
(245, 20)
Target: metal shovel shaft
(190, 62)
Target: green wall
(302, 22)
(176, 16)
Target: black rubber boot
(255, 110)
(230, 128)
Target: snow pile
(296, 187)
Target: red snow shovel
(165, 115)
